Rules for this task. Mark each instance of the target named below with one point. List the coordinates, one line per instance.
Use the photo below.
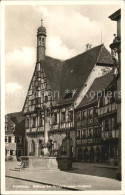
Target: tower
(41, 42)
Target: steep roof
(99, 85)
(116, 15)
(19, 120)
(53, 69)
(104, 57)
(77, 69)
(10, 125)
(72, 73)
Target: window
(68, 95)
(27, 123)
(29, 103)
(19, 140)
(39, 40)
(70, 116)
(101, 101)
(90, 132)
(106, 99)
(114, 123)
(84, 114)
(78, 116)
(90, 112)
(11, 152)
(103, 125)
(9, 139)
(110, 123)
(38, 101)
(95, 111)
(46, 98)
(40, 121)
(84, 133)
(33, 121)
(63, 117)
(54, 119)
(6, 127)
(5, 138)
(96, 132)
(78, 134)
(106, 125)
(42, 39)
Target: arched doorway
(86, 154)
(80, 154)
(97, 154)
(91, 154)
(32, 152)
(104, 154)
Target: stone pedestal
(64, 163)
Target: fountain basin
(34, 162)
(46, 163)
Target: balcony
(107, 109)
(112, 134)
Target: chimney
(88, 46)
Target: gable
(38, 90)
(99, 85)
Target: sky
(69, 28)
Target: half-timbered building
(96, 123)
(56, 89)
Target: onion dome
(41, 30)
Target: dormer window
(68, 95)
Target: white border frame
(61, 2)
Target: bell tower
(41, 42)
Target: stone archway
(91, 154)
(80, 154)
(97, 154)
(86, 154)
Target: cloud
(24, 57)
(69, 28)
(13, 87)
(57, 49)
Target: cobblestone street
(77, 179)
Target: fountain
(46, 161)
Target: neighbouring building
(116, 55)
(14, 135)
(96, 123)
(56, 89)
